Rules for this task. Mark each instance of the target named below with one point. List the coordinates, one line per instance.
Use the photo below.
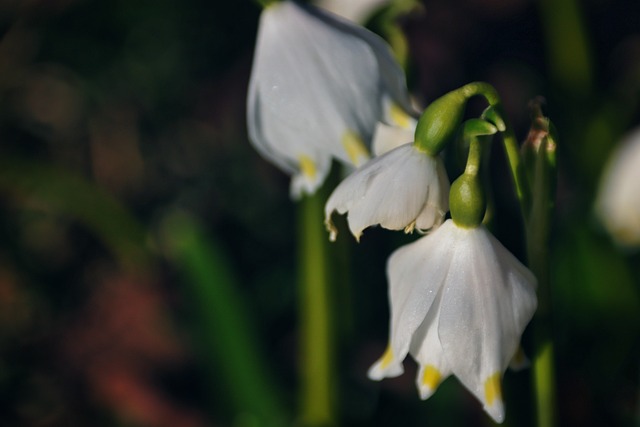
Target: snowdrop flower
(404, 188)
(407, 187)
(318, 87)
(459, 303)
(618, 200)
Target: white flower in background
(318, 87)
(404, 188)
(618, 200)
(459, 304)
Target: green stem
(475, 156)
(512, 150)
(496, 113)
(483, 89)
(538, 231)
(543, 360)
(535, 194)
(316, 362)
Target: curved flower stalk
(618, 200)
(459, 304)
(404, 188)
(318, 87)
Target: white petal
(437, 204)
(391, 190)
(316, 79)
(618, 200)
(392, 79)
(305, 182)
(386, 138)
(388, 366)
(427, 350)
(488, 299)
(416, 273)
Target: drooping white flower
(618, 200)
(459, 304)
(318, 86)
(404, 188)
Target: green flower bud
(440, 121)
(467, 201)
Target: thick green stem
(316, 363)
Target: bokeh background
(148, 253)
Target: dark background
(127, 181)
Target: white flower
(318, 87)
(618, 200)
(459, 304)
(402, 189)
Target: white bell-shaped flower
(404, 188)
(318, 87)
(459, 304)
(618, 200)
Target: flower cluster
(323, 88)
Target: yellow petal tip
(493, 389)
(307, 167)
(355, 148)
(431, 377)
(387, 358)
